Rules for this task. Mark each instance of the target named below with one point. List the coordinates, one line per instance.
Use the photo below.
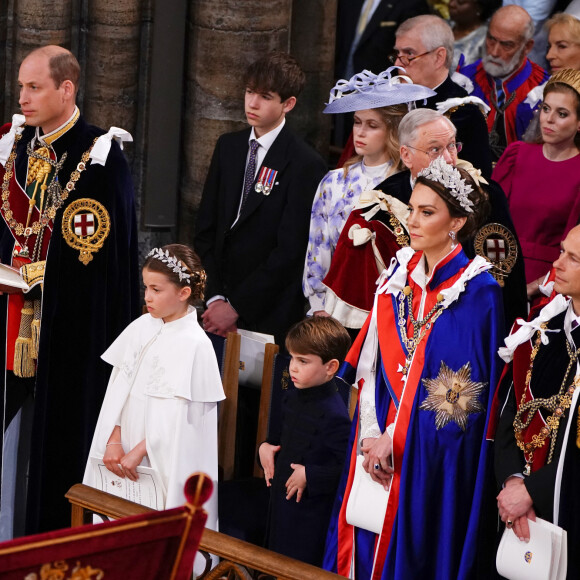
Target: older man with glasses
(424, 135)
(505, 75)
(424, 48)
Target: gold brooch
(85, 227)
(453, 396)
(498, 246)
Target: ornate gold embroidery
(47, 211)
(58, 569)
(285, 379)
(557, 404)
(498, 246)
(85, 227)
(34, 272)
(453, 396)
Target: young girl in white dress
(160, 408)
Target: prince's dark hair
(277, 72)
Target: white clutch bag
(367, 502)
(544, 557)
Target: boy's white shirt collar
(268, 139)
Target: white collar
(41, 138)
(268, 139)
(526, 329)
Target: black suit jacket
(470, 124)
(548, 372)
(257, 263)
(514, 290)
(378, 38)
(314, 432)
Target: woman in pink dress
(542, 180)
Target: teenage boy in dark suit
(253, 222)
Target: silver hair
(433, 32)
(529, 29)
(411, 122)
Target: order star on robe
(443, 479)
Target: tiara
(366, 90)
(441, 172)
(172, 262)
(566, 76)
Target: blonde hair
(391, 117)
(570, 21)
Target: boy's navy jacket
(257, 264)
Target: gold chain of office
(53, 203)
(557, 404)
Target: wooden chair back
(228, 354)
(275, 382)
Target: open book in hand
(148, 490)
(11, 280)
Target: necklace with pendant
(420, 327)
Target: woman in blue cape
(426, 366)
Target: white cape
(176, 365)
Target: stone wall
(113, 41)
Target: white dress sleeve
(319, 250)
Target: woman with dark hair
(541, 180)
(469, 23)
(426, 363)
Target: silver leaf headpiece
(172, 263)
(441, 172)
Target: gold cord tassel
(24, 366)
(36, 329)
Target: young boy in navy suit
(302, 463)
(253, 221)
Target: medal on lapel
(266, 180)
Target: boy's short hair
(277, 72)
(320, 335)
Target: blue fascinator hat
(366, 90)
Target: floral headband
(441, 172)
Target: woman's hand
(533, 288)
(377, 453)
(322, 313)
(267, 454)
(130, 461)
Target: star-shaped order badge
(453, 396)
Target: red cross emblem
(84, 224)
(495, 249)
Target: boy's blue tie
(250, 170)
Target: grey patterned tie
(250, 171)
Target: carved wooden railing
(239, 560)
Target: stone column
(312, 42)
(36, 24)
(112, 63)
(225, 36)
